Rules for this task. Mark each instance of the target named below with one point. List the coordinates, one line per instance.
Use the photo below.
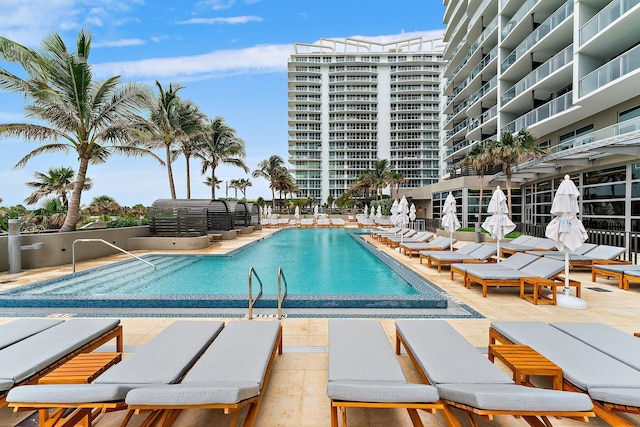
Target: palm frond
(49, 148)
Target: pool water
(332, 268)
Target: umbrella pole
(451, 241)
(566, 272)
(564, 299)
(498, 251)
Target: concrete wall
(57, 248)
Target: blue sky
(230, 55)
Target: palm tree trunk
(273, 198)
(508, 173)
(213, 183)
(186, 157)
(73, 212)
(172, 186)
(480, 200)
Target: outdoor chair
(364, 373)
(375, 233)
(630, 276)
(323, 222)
(162, 360)
(467, 380)
(599, 254)
(17, 330)
(29, 359)
(440, 243)
(406, 234)
(419, 237)
(514, 262)
(479, 255)
(232, 374)
(532, 244)
(337, 222)
(613, 270)
(582, 250)
(544, 267)
(607, 377)
(307, 223)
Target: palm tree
(363, 184)
(103, 206)
(93, 119)
(513, 149)
(192, 122)
(268, 169)
(395, 179)
(208, 181)
(220, 145)
(242, 185)
(58, 181)
(284, 183)
(381, 170)
(233, 184)
(480, 158)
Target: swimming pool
(323, 268)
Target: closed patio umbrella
(498, 224)
(568, 233)
(365, 211)
(379, 212)
(412, 214)
(394, 212)
(403, 216)
(450, 221)
(297, 213)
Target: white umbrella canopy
(366, 210)
(403, 216)
(268, 210)
(316, 211)
(379, 213)
(412, 212)
(449, 218)
(394, 211)
(498, 224)
(297, 212)
(372, 214)
(568, 233)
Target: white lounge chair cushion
(17, 330)
(68, 393)
(6, 384)
(515, 262)
(381, 391)
(617, 268)
(620, 396)
(193, 394)
(445, 356)
(166, 357)
(614, 342)
(30, 355)
(511, 397)
(582, 365)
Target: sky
(230, 56)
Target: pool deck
(296, 393)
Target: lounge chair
(440, 243)
(613, 270)
(232, 374)
(393, 232)
(436, 245)
(29, 359)
(366, 223)
(375, 233)
(582, 250)
(481, 254)
(630, 276)
(283, 222)
(293, 223)
(162, 360)
(467, 380)
(307, 222)
(532, 244)
(599, 254)
(419, 237)
(544, 267)
(406, 234)
(515, 262)
(323, 222)
(613, 385)
(364, 372)
(337, 222)
(17, 330)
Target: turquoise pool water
(324, 268)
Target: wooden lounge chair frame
(604, 410)
(165, 415)
(496, 282)
(607, 274)
(115, 333)
(531, 417)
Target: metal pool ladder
(73, 251)
(281, 296)
(252, 301)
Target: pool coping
(430, 296)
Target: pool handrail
(73, 251)
(252, 301)
(281, 296)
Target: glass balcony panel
(543, 112)
(618, 67)
(606, 16)
(517, 17)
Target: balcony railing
(621, 128)
(606, 16)
(517, 17)
(616, 68)
(553, 64)
(557, 18)
(543, 112)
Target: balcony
(517, 17)
(543, 112)
(613, 70)
(606, 16)
(557, 18)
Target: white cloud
(265, 58)
(120, 43)
(232, 20)
(217, 4)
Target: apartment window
(576, 133)
(629, 114)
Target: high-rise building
(568, 71)
(352, 102)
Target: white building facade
(352, 102)
(568, 71)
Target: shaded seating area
(30, 358)
(543, 267)
(364, 373)
(596, 360)
(467, 380)
(440, 243)
(440, 259)
(189, 217)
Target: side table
(539, 283)
(524, 361)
